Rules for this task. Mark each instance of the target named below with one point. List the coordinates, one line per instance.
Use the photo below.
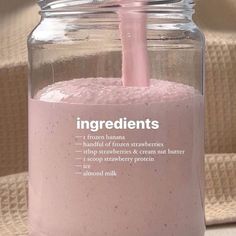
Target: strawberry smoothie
(119, 161)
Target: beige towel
(17, 19)
(220, 196)
(216, 17)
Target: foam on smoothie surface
(111, 91)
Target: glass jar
(116, 110)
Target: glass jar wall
(116, 139)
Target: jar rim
(63, 4)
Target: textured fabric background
(220, 196)
(18, 18)
(218, 20)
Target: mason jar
(116, 119)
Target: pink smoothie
(116, 181)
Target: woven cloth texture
(18, 18)
(220, 196)
(217, 19)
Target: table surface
(225, 230)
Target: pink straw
(135, 65)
